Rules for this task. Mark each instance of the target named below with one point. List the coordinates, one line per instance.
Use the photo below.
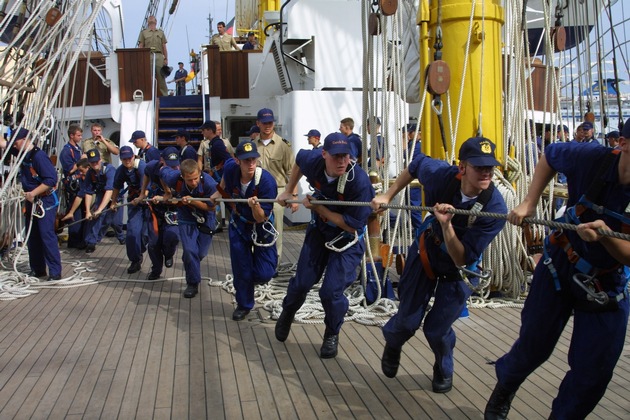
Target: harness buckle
(484, 278)
(170, 217)
(589, 285)
(269, 228)
(38, 209)
(343, 235)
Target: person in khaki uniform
(156, 40)
(276, 157)
(223, 40)
(105, 146)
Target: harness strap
(560, 239)
(424, 257)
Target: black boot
(441, 384)
(329, 346)
(499, 404)
(390, 361)
(283, 325)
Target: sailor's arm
(401, 182)
(542, 175)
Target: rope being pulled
(526, 220)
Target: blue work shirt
(435, 176)
(101, 181)
(68, 157)
(188, 152)
(581, 163)
(358, 188)
(356, 146)
(152, 170)
(207, 186)
(132, 177)
(37, 169)
(149, 153)
(266, 188)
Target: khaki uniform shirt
(225, 42)
(203, 151)
(89, 144)
(277, 158)
(228, 146)
(153, 39)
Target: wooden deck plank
(142, 350)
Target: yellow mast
(483, 71)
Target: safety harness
(267, 225)
(586, 274)
(427, 232)
(39, 210)
(345, 239)
(200, 219)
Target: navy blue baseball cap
(246, 150)
(337, 144)
(253, 129)
(613, 135)
(22, 133)
(126, 152)
(171, 157)
(313, 133)
(587, 125)
(139, 134)
(182, 133)
(411, 128)
(209, 125)
(265, 115)
(478, 151)
(93, 155)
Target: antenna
(209, 27)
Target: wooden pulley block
(389, 7)
(590, 117)
(400, 264)
(559, 37)
(438, 77)
(53, 16)
(374, 25)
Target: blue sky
(190, 19)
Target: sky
(187, 29)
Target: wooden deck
(139, 350)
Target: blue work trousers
(137, 234)
(250, 264)
(341, 271)
(43, 240)
(415, 290)
(163, 240)
(195, 246)
(95, 229)
(596, 343)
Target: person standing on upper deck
(223, 40)
(154, 38)
(276, 156)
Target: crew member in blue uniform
(196, 219)
(253, 262)
(562, 285)
(445, 243)
(333, 176)
(212, 152)
(39, 181)
(186, 151)
(146, 151)
(163, 232)
(99, 186)
(131, 172)
(72, 179)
